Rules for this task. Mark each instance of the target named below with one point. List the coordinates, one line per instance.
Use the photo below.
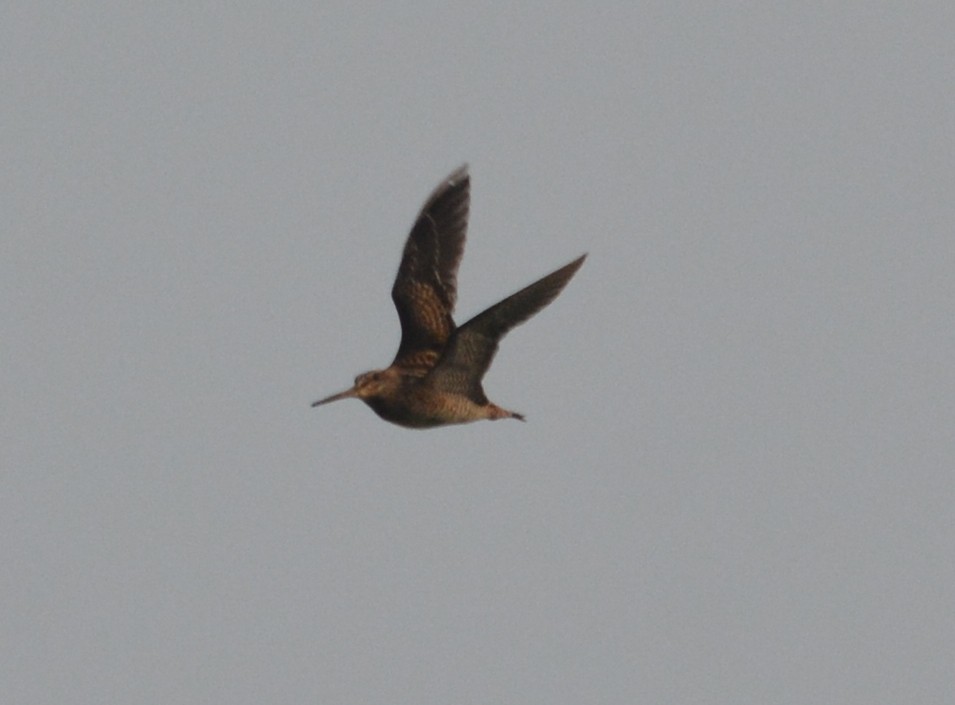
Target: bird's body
(410, 401)
(435, 378)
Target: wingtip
(458, 174)
(572, 266)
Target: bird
(435, 377)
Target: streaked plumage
(435, 378)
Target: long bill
(347, 394)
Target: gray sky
(735, 483)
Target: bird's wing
(425, 288)
(472, 346)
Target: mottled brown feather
(471, 348)
(425, 288)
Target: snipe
(435, 379)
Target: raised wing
(472, 346)
(425, 288)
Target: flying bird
(435, 378)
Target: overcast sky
(735, 483)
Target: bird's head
(367, 386)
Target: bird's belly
(427, 410)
